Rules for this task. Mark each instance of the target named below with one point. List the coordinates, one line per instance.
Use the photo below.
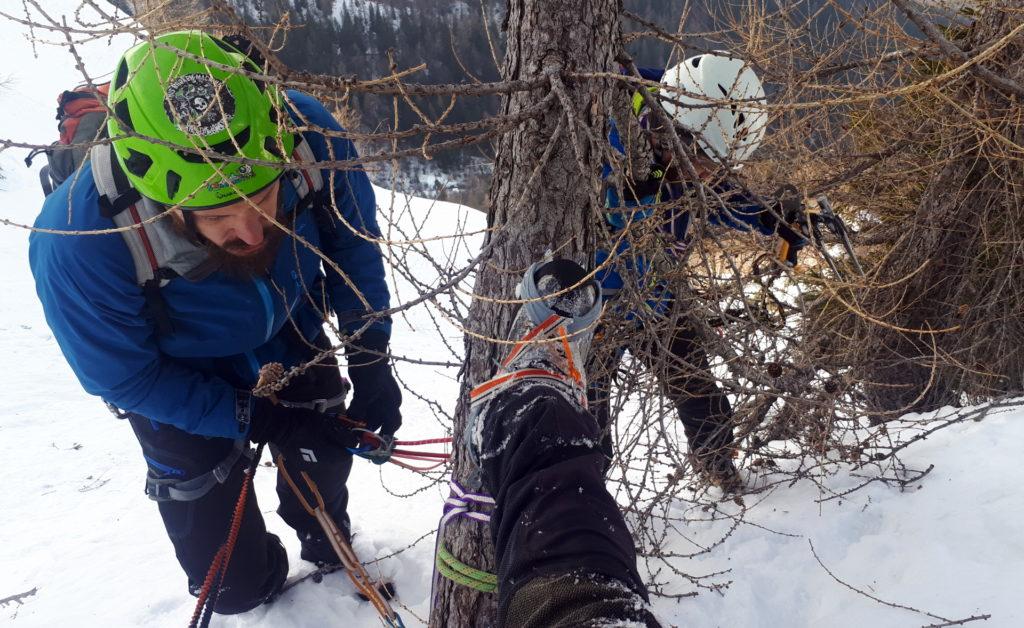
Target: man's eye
(211, 218)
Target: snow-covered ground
(76, 528)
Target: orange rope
(222, 558)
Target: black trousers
(197, 528)
(686, 379)
(565, 556)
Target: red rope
(428, 441)
(418, 469)
(404, 453)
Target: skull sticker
(199, 104)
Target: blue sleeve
(354, 219)
(740, 212)
(614, 140)
(96, 310)
(651, 74)
(737, 211)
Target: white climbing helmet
(728, 134)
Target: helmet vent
(271, 146)
(233, 145)
(123, 115)
(138, 163)
(227, 147)
(225, 46)
(695, 62)
(192, 158)
(122, 75)
(173, 181)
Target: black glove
(376, 396)
(293, 427)
(787, 205)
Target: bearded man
(235, 247)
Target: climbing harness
(173, 489)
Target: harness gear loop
(170, 489)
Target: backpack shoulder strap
(116, 192)
(307, 179)
(158, 251)
(118, 201)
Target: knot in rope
(461, 502)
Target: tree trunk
(545, 194)
(965, 243)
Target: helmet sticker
(224, 188)
(199, 104)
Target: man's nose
(249, 228)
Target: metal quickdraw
(827, 216)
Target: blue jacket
(223, 328)
(743, 214)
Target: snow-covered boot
(550, 338)
(716, 468)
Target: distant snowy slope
(75, 525)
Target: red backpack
(81, 120)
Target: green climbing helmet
(161, 94)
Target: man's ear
(185, 224)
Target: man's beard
(227, 259)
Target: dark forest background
(354, 38)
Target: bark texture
(966, 300)
(545, 194)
